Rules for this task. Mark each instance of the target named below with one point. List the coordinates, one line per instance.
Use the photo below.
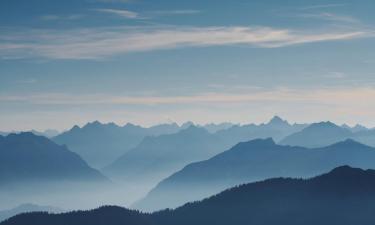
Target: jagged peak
(187, 124)
(325, 125)
(194, 129)
(276, 120)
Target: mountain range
(344, 196)
(252, 161)
(158, 157)
(100, 144)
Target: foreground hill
(26, 157)
(100, 144)
(344, 196)
(253, 161)
(24, 208)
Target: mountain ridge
(251, 161)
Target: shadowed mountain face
(24, 208)
(344, 196)
(253, 161)
(100, 144)
(26, 157)
(35, 169)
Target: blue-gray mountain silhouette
(49, 133)
(318, 135)
(327, 133)
(213, 127)
(100, 144)
(252, 161)
(365, 136)
(26, 157)
(356, 128)
(344, 196)
(277, 128)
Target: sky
(154, 61)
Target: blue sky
(70, 62)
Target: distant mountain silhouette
(213, 128)
(26, 157)
(47, 133)
(24, 208)
(327, 133)
(157, 157)
(365, 136)
(344, 196)
(276, 128)
(318, 135)
(356, 128)
(100, 144)
(253, 161)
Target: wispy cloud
(336, 96)
(62, 17)
(120, 12)
(323, 6)
(330, 17)
(175, 12)
(98, 43)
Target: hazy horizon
(82, 124)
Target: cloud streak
(330, 17)
(122, 13)
(98, 43)
(338, 96)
